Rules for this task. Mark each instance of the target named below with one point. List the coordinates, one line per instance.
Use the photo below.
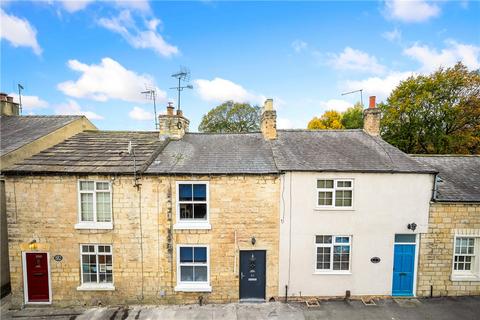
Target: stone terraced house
(450, 263)
(177, 217)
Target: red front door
(37, 277)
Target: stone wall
(436, 249)
(45, 208)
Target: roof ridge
(222, 133)
(445, 155)
(320, 130)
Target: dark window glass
(408, 238)
(200, 192)
(186, 254)
(186, 211)
(185, 192)
(200, 211)
(200, 254)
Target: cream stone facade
(44, 208)
(447, 220)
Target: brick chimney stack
(371, 118)
(171, 125)
(269, 121)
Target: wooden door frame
(240, 268)
(25, 280)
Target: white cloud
(140, 114)
(125, 25)
(432, 59)
(393, 36)
(73, 108)
(336, 104)
(411, 10)
(107, 80)
(299, 45)
(78, 5)
(75, 5)
(30, 102)
(284, 123)
(220, 90)
(352, 59)
(378, 86)
(18, 32)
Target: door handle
(242, 275)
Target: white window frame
(93, 224)
(331, 246)
(334, 193)
(193, 286)
(192, 223)
(474, 273)
(96, 286)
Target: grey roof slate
(95, 152)
(460, 177)
(207, 153)
(17, 131)
(340, 150)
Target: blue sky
(94, 57)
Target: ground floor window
(332, 253)
(193, 267)
(465, 257)
(96, 264)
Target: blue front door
(403, 269)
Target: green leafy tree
(352, 118)
(436, 113)
(329, 120)
(231, 117)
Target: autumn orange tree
(329, 120)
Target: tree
(329, 120)
(231, 117)
(352, 118)
(436, 113)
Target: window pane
(342, 239)
(325, 184)
(323, 239)
(102, 186)
(103, 207)
(200, 211)
(186, 273)
(186, 211)
(185, 192)
(343, 198)
(344, 184)
(200, 273)
(200, 254)
(186, 254)
(86, 206)
(325, 198)
(408, 238)
(86, 185)
(200, 192)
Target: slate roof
(340, 150)
(460, 177)
(207, 153)
(95, 152)
(17, 131)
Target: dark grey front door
(252, 274)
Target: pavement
(391, 309)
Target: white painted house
(353, 210)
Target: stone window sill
(332, 273)
(94, 225)
(96, 287)
(186, 225)
(472, 277)
(193, 288)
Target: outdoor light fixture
(412, 226)
(32, 245)
(254, 240)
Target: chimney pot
(170, 109)
(180, 113)
(372, 102)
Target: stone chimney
(171, 125)
(8, 107)
(371, 118)
(269, 121)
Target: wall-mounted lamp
(254, 240)
(32, 245)
(412, 226)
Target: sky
(96, 57)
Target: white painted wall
(383, 205)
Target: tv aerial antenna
(183, 75)
(151, 94)
(354, 91)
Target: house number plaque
(58, 258)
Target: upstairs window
(192, 204)
(335, 193)
(332, 253)
(95, 201)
